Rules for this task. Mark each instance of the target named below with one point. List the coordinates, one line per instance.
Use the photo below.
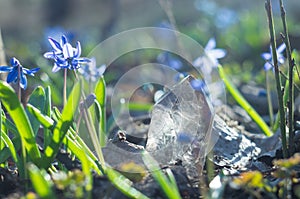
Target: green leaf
(168, 185)
(63, 124)
(40, 181)
(43, 119)
(37, 99)
(10, 146)
(48, 104)
(100, 92)
(123, 184)
(17, 113)
(1, 143)
(6, 152)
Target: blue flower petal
(267, 66)
(23, 82)
(64, 40)
(211, 44)
(176, 64)
(83, 60)
(281, 59)
(55, 68)
(4, 69)
(266, 56)
(14, 62)
(281, 48)
(55, 45)
(197, 84)
(77, 51)
(217, 53)
(30, 71)
(12, 76)
(101, 70)
(49, 55)
(68, 51)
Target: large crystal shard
(180, 127)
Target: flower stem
(285, 37)
(65, 86)
(19, 81)
(277, 78)
(269, 101)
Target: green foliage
(37, 99)
(10, 101)
(63, 125)
(100, 92)
(167, 183)
(74, 142)
(40, 181)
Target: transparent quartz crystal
(180, 128)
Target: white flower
(269, 58)
(90, 70)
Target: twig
(277, 77)
(286, 40)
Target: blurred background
(240, 27)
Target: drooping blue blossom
(213, 53)
(269, 58)
(13, 72)
(64, 55)
(90, 70)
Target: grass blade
(17, 113)
(168, 185)
(243, 103)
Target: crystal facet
(180, 127)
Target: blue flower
(13, 72)
(198, 84)
(213, 53)
(269, 58)
(167, 59)
(64, 55)
(90, 70)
